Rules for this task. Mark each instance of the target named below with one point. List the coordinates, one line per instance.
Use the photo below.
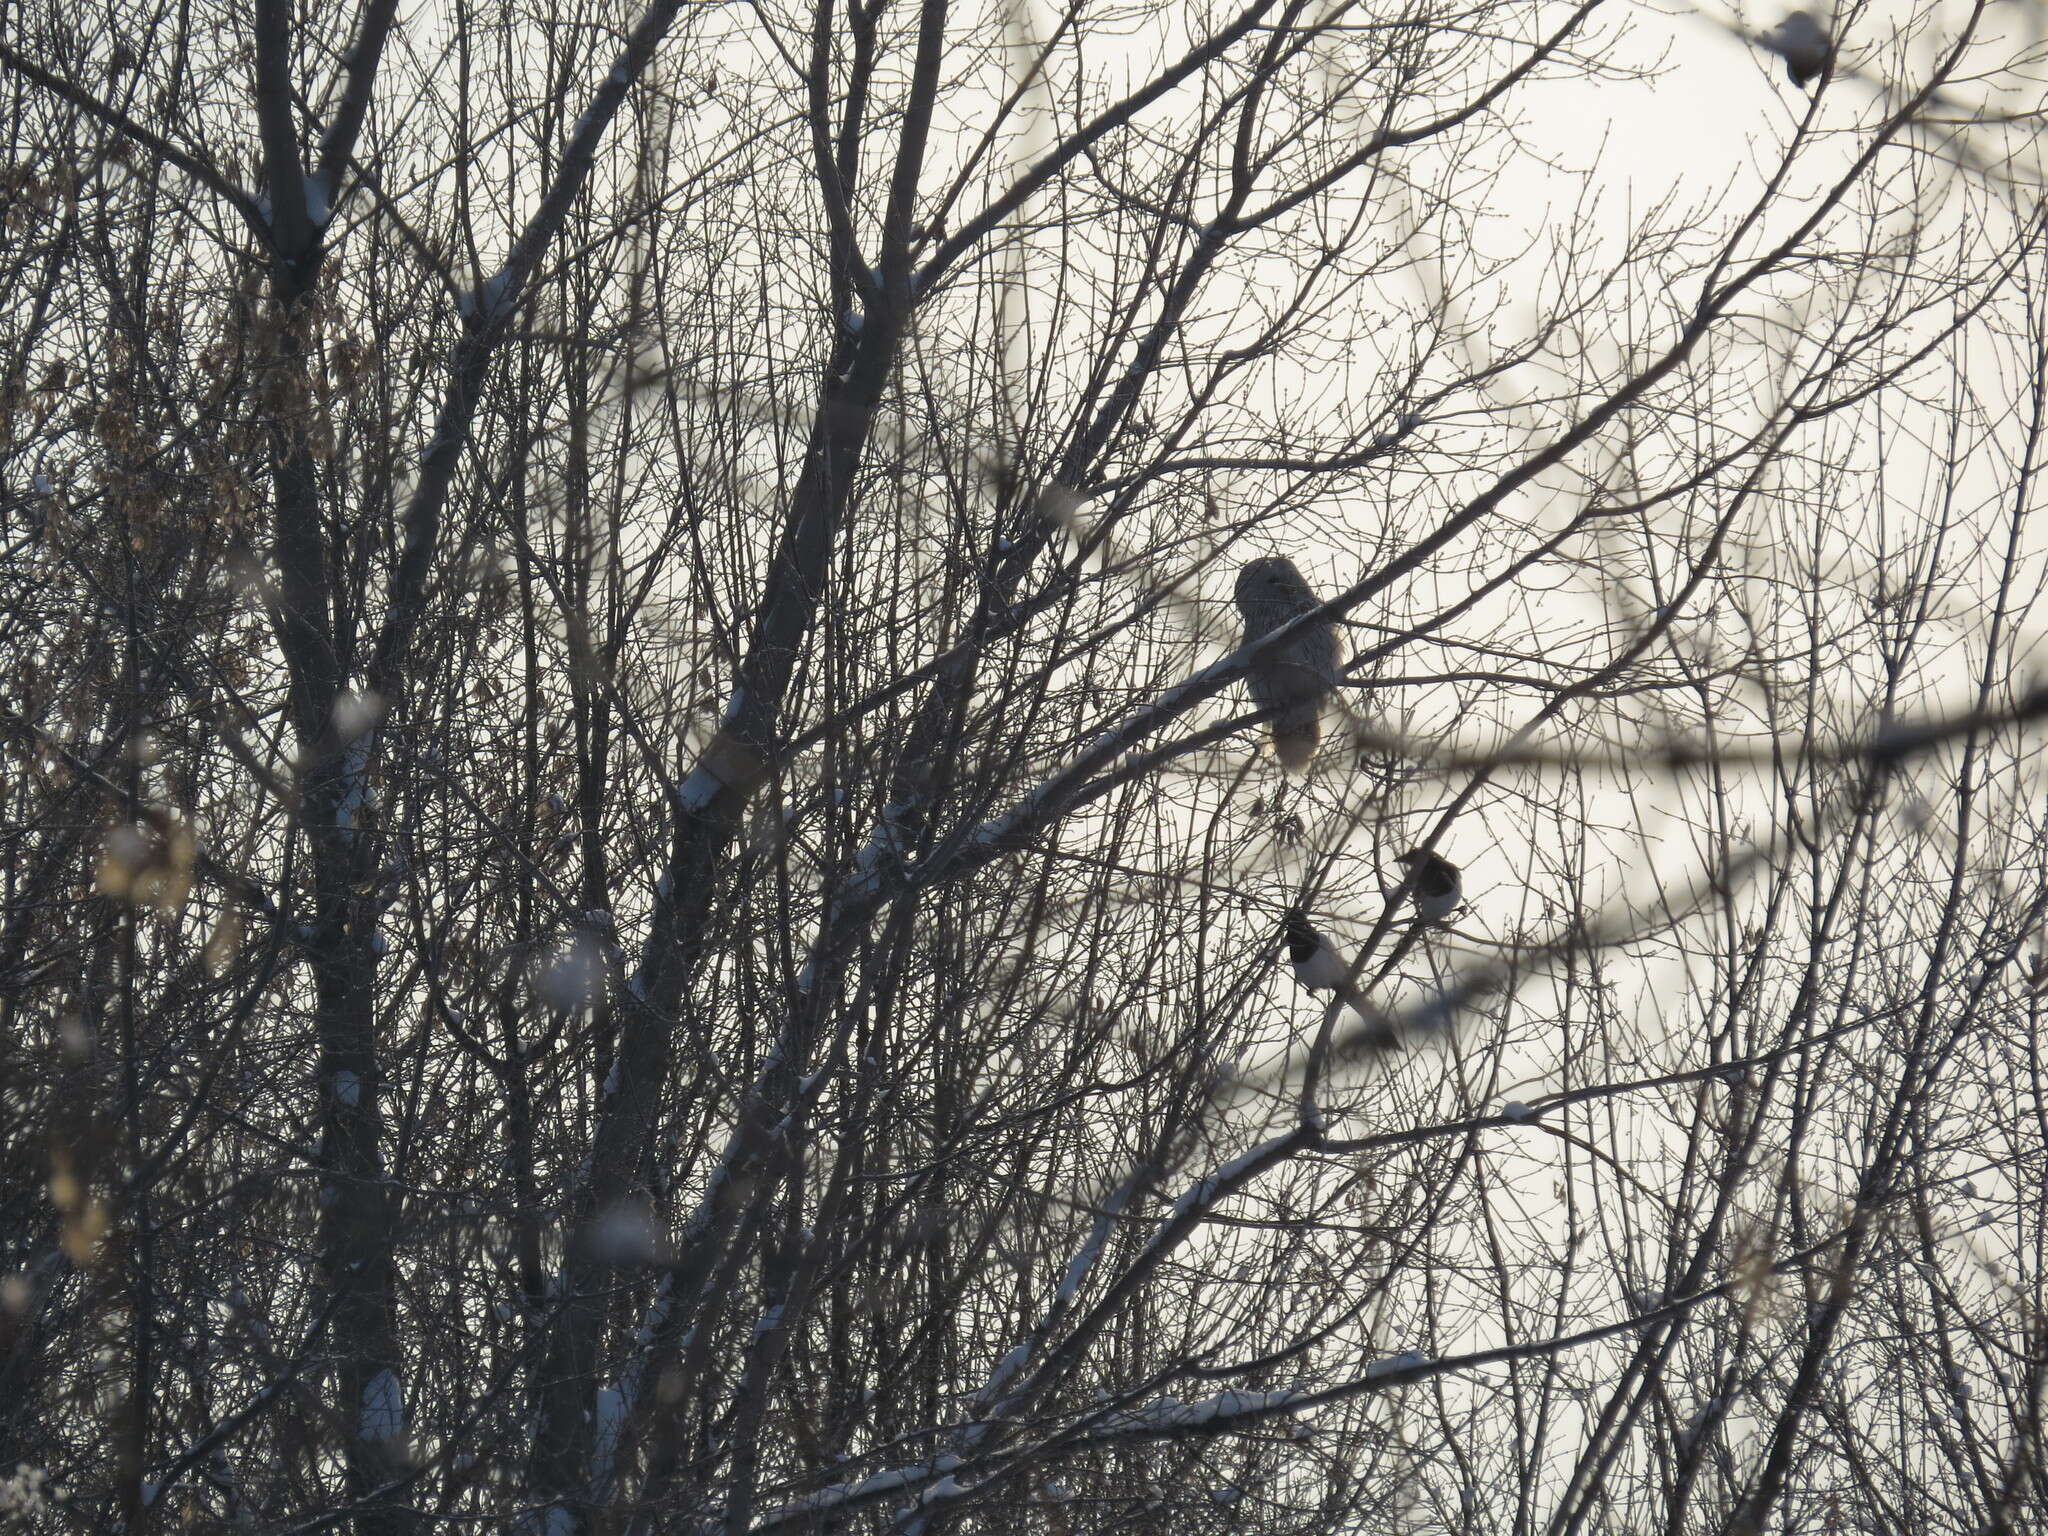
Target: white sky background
(1701, 133)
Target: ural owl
(1294, 678)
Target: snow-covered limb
(1076, 1275)
(924, 1483)
(693, 1258)
(1165, 1418)
(1407, 1360)
(1063, 791)
(497, 295)
(1187, 1214)
(1165, 1415)
(845, 1496)
(359, 71)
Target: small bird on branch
(1803, 43)
(1433, 882)
(1318, 966)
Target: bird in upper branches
(1318, 966)
(1294, 678)
(1433, 882)
(1803, 43)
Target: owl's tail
(1296, 730)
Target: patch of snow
(611, 1422)
(657, 1312)
(884, 844)
(1517, 1111)
(355, 772)
(624, 1234)
(383, 1408)
(490, 297)
(355, 712)
(699, 789)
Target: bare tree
(643, 890)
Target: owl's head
(1272, 580)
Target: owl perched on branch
(1293, 678)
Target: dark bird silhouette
(1318, 966)
(1291, 679)
(1803, 43)
(1433, 882)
